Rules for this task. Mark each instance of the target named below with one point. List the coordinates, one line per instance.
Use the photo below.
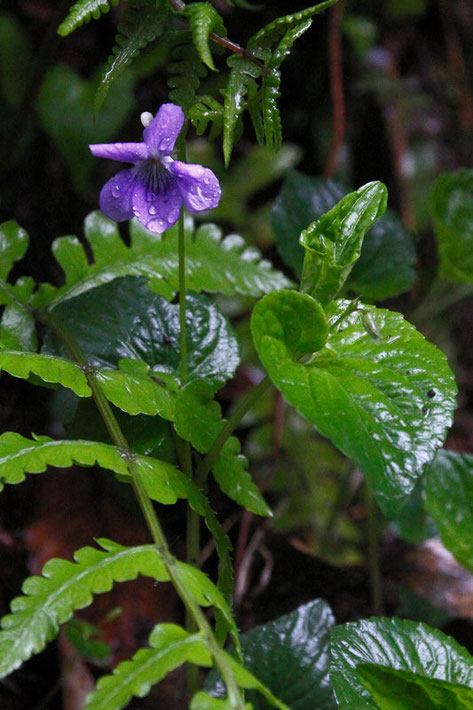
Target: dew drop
(116, 191)
(152, 209)
(207, 180)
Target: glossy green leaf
(13, 246)
(242, 71)
(82, 11)
(451, 205)
(204, 19)
(17, 329)
(367, 390)
(50, 600)
(64, 104)
(403, 690)
(333, 243)
(290, 655)
(395, 644)
(386, 266)
(207, 110)
(213, 264)
(132, 322)
(448, 485)
(15, 58)
(141, 23)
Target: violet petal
(156, 200)
(115, 196)
(199, 186)
(161, 135)
(123, 152)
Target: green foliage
(291, 656)
(64, 106)
(13, 246)
(448, 485)
(367, 390)
(132, 322)
(397, 645)
(50, 369)
(170, 647)
(203, 701)
(82, 11)
(214, 264)
(204, 19)
(386, 266)
(207, 111)
(143, 21)
(86, 639)
(403, 690)
(64, 586)
(451, 205)
(333, 243)
(187, 71)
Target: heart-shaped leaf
(378, 390)
(400, 645)
(132, 322)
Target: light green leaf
(204, 19)
(333, 243)
(451, 204)
(64, 586)
(386, 266)
(202, 701)
(403, 690)
(214, 264)
(142, 22)
(82, 11)
(13, 246)
(448, 485)
(400, 645)
(132, 322)
(290, 655)
(65, 108)
(242, 71)
(367, 390)
(51, 369)
(207, 110)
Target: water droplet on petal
(116, 191)
(207, 180)
(152, 209)
(161, 223)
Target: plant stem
(182, 299)
(145, 503)
(372, 519)
(228, 428)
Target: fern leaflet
(82, 11)
(187, 70)
(204, 19)
(207, 110)
(143, 21)
(243, 70)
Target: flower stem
(152, 521)
(373, 552)
(182, 299)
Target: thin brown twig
(336, 88)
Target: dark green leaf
(448, 486)
(242, 71)
(290, 655)
(186, 71)
(333, 243)
(451, 204)
(386, 265)
(367, 390)
(65, 104)
(403, 690)
(207, 110)
(204, 19)
(132, 322)
(82, 11)
(15, 58)
(400, 645)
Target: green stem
(228, 428)
(373, 552)
(328, 533)
(182, 299)
(145, 503)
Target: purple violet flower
(155, 188)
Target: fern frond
(207, 110)
(82, 11)
(54, 370)
(170, 647)
(143, 21)
(242, 71)
(187, 71)
(214, 264)
(63, 587)
(204, 19)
